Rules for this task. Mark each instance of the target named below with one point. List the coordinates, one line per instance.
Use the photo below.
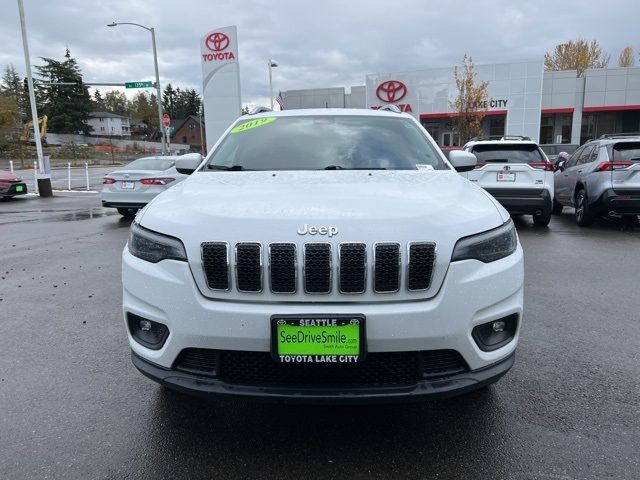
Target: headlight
(153, 247)
(487, 246)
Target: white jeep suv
(516, 172)
(324, 255)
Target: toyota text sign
(220, 81)
(388, 91)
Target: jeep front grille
(317, 268)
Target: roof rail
(500, 137)
(390, 108)
(259, 109)
(621, 135)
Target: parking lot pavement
(73, 406)
(60, 178)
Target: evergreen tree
(13, 87)
(98, 102)
(68, 106)
(169, 97)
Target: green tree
(68, 106)
(169, 97)
(180, 103)
(9, 116)
(144, 107)
(470, 102)
(116, 102)
(578, 55)
(13, 87)
(98, 102)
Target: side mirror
(462, 161)
(559, 166)
(188, 163)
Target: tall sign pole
(220, 81)
(44, 178)
(159, 92)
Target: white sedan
(133, 186)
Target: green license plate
(19, 188)
(318, 339)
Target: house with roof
(189, 131)
(109, 124)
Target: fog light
(498, 326)
(495, 334)
(146, 332)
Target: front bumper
(523, 202)
(14, 189)
(472, 293)
(436, 388)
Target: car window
(150, 163)
(585, 156)
(509, 153)
(335, 141)
(626, 151)
(574, 158)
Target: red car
(11, 185)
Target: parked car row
(602, 177)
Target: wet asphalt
(73, 406)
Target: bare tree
(471, 101)
(626, 58)
(578, 55)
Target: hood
(9, 177)
(382, 199)
(364, 206)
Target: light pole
(272, 64)
(43, 178)
(155, 63)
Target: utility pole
(155, 64)
(43, 177)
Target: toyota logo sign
(217, 42)
(391, 91)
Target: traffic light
(79, 84)
(26, 84)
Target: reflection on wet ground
(46, 215)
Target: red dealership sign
(391, 91)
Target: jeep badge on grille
(313, 230)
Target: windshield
(326, 142)
(629, 151)
(492, 153)
(150, 163)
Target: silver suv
(516, 172)
(601, 178)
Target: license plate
(506, 176)
(128, 185)
(20, 188)
(318, 339)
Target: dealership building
(523, 99)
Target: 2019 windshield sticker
(258, 122)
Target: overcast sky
(317, 43)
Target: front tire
(128, 212)
(584, 215)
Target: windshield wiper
(339, 167)
(231, 168)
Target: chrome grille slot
(282, 267)
(386, 278)
(249, 267)
(317, 268)
(215, 261)
(420, 267)
(353, 268)
(385, 262)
